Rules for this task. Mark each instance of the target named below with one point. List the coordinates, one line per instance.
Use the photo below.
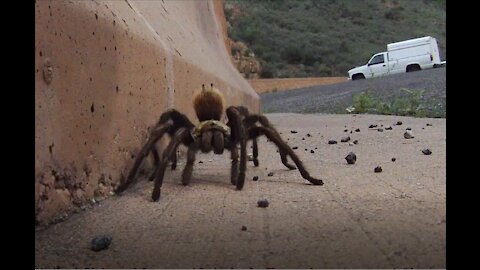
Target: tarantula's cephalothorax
(211, 134)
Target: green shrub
(409, 104)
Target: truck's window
(377, 60)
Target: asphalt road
(357, 219)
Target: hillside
(308, 38)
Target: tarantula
(211, 134)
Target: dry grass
(273, 85)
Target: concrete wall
(104, 72)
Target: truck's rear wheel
(412, 68)
(358, 77)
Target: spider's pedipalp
(206, 141)
(218, 142)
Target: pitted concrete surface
(358, 219)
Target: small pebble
(255, 178)
(355, 142)
(345, 130)
(372, 126)
(426, 151)
(351, 158)
(311, 151)
(378, 169)
(345, 139)
(293, 131)
(270, 174)
(244, 228)
(332, 142)
(308, 135)
(100, 242)
(399, 123)
(408, 134)
(388, 128)
(306, 149)
(408, 128)
(357, 130)
(200, 161)
(263, 203)
(295, 147)
(429, 125)
(380, 130)
(393, 159)
(303, 139)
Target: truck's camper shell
(414, 47)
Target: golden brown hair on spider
(208, 103)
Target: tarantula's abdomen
(208, 103)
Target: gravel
(335, 98)
(427, 151)
(263, 203)
(100, 242)
(351, 158)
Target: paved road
(358, 219)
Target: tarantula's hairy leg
(283, 157)
(187, 171)
(250, 120)
(273, 136)
(174, 161)
(156, 161)
(255, 152)
(157, 133)
(234, 170)
(180, 135)
(243, 164)
(177, 119)
(238, 135)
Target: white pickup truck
(404, 56)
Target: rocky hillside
(310, 38)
